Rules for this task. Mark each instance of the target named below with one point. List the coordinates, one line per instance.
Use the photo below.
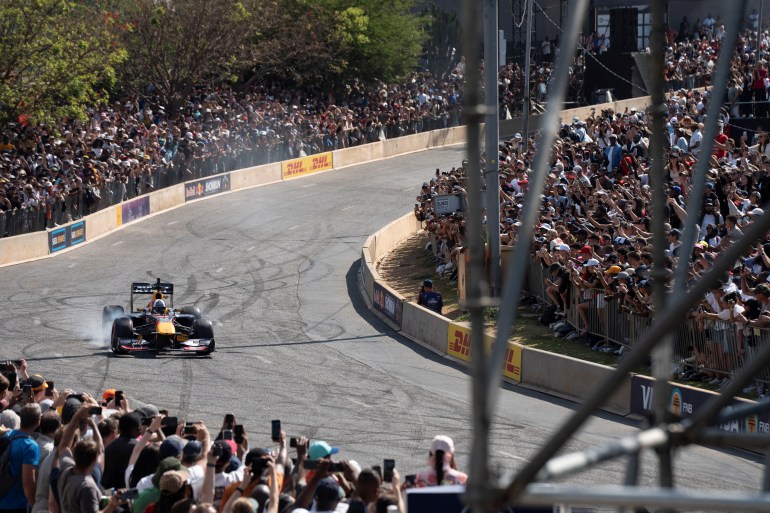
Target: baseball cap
(173, 480)
(148, 411)
(164, 466)
(613, 270)
(327, 490)
(226, 451)
(108, 394)
(320, 449)
(442, 443)
(592, 262)
(427, 283)
(622, 276)
(192, 451)
(70, 407)
(545, 226)
(37, 382)
(562, 247)
(586, 250)
(171, 446)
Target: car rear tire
(109, 314)
(191, 310)
(202, 329)
(122, 327)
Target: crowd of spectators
(53, 174)
(73, 452)
(594, 241)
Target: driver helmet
(159, 306)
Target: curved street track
(275, 268)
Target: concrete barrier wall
(21, 248)
(426, 326)
(166, 198)
(406, 144)
(357, 154)
(571, 377)
(549, 372)
(253, 176)
(101, 222)
(392, 234)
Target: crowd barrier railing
(715, 349)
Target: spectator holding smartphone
(452, 476)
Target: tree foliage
(336, 41)
(56, 57)
(59, 56)
(177, 44)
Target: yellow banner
(118, 215)
(306, 165)
(459, 346)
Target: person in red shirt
(720, 142)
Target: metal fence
(91, 197)
(714, 350)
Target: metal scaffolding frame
(484, 492)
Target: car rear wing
(143, 288)
(167, 289)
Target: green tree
(337, 41)
(178, 44)
(56, 57)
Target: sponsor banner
(306, 165)
(459, 346)
(133, 210)
(206, 187)
(447, 204)
(388, 304)
(66, 236)
(686, 402)
(57, 239)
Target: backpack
(6, 479)
(548, 316)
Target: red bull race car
(157, 326)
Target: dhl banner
(459, 346)
(306, 165)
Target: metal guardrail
(714, 349)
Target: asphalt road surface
(274, 268)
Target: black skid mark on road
(207, 302)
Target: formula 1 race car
(157, 326)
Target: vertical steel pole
(478, 486)
(662, 354)
(759, 25)
(527, 72)
(492, 137)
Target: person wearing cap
(430, 298)
(451, 476)
(174, 487)
(24, 457)
(152, 495)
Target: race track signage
(459, 346)
(306, 165)
(66, 236)
(206, 187)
